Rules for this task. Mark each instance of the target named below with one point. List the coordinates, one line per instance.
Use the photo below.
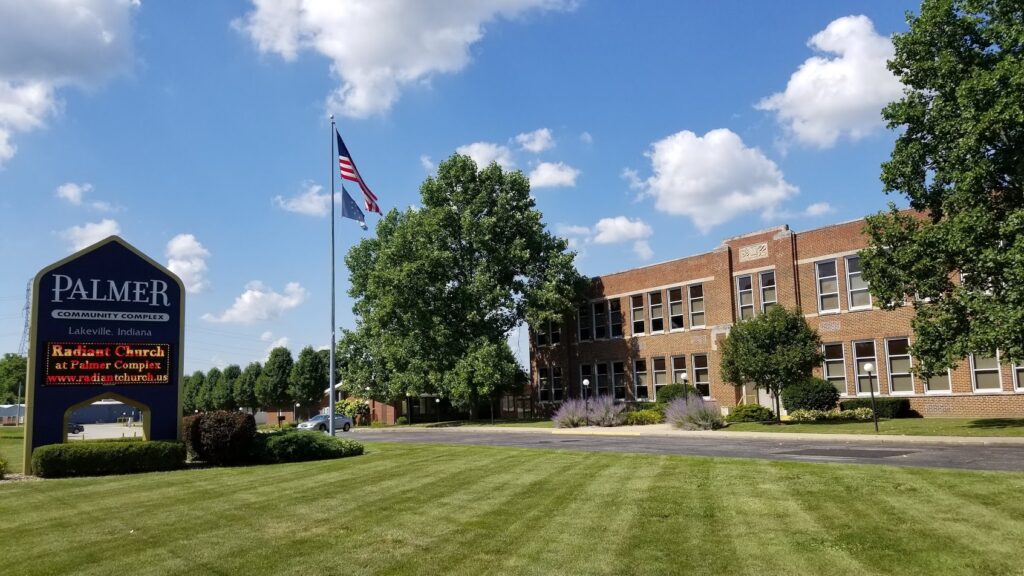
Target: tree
(13, 370)
(959, 159)
(272, 384)
(224, 390)
(308, 378)
(206, 393)
(194, 391)
(771, 351)
(452, 278)
(245, 387)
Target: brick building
(647, 327)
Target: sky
(199, 132)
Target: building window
(586, 373)
(863, 353)
(660, 375)
(1018, 376)
(701, 375)
(584, 320)
(603, 385)
(541, 335)
(636, 304)
(938, 384)
(657, 312)
(828, 286)
(901, 381)
(619, 379)
(556, 332)
(675, 309)
(556, 384)
(858, 295)
(615, 317)
(834, 366)
(543, 385)
(745, 296)
(985, 372)
(769, 297)
(640, 381)
(679, 369)
(600, 320)
(696, 294)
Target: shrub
(693, 413)
(102, 458)
(810, 394)
(190, 433)
(644, 417)
(835, 415)
(604, 411)
(571, 414)
(750, 413)
(301, 446)
(670, 392)
(887, 407)
(806, 415)
(3, 466)
(220, 437)
(862, 414)
(402, 420)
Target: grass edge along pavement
(421, 509)
(950, 427)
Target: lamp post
(369, 410)
(408, 403)
(586, 398)
(295, 415)
(869, 368)
(437, 408)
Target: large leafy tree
(206, 398)
(224, 390)
(771, 351)
(959, 159)
(272, 384)
(308, 378)
(12, 377)
(245, 387)
(447, 282)
(193, 391)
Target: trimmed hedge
(885, 407)
(103, 458)
(220, 437)
(750, 413)
(644, 417)
(811, 394)
(301, 446)
(670, 392)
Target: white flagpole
(334, 161)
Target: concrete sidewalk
(666, 431)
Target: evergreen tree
(272, 384)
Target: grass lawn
(904, 426)
(12, 442)
(414, 509)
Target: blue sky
(199, 133)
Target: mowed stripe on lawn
(407, 509)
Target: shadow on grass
(996, 423)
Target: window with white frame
(675, 309)
(1018, 376)
(619, 379)
(696, 296)
(769, 296)
(636, 306)
(679, 369)
(938, 384)
(600, 320)
(583, 320)
(660, 369)
(556, 333)
(745, 296)
(587, 373)
(858, 295)
(901, 380)
(834, 366)
(863, 354)
(543, 384)
(985, 373)
(556, 384)
(603, 384)
(701, 375)
(640, 393)
(656, 312)
(828, 286)
(615, 317)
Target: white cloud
(50, 44)
(280, 342)
(537, 141)
(72, 192)
(379, 48)
(643, 250)
(90, 233)
(259, 303)
(483, 153)
(711, 178)
(267, 336)
(186, 257)
(311, 201)
(586, 138)
(842, 95)
(553, 175)
(620, 229)
(819, 209)
(427, 164)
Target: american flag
(350, 172)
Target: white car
(320, 422)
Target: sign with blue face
(106, 323)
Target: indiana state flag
(350, 210)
